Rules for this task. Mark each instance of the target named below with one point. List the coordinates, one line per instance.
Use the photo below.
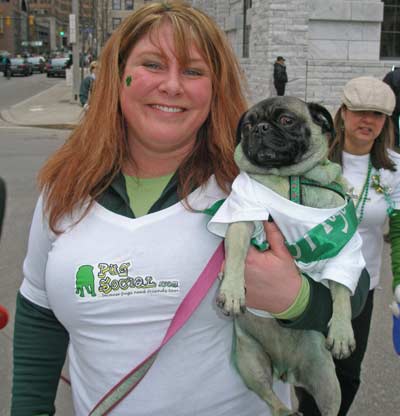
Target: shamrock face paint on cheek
(128, 80)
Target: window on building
(246, 29)
(128, 4)
(116, 21)
(116, 4)
(390, 36)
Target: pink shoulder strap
(188, 305)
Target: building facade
(53, 15)
(325, 42)
(13, 25)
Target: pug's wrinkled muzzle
(265, 149)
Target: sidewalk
(52, 108)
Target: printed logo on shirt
(106, 280)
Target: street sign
(32, 43)
(72, 28)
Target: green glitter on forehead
(128, 80)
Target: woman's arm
(394, 233)
(319, 309)
(40, 341)
(40, 345)
(276, 290)
(2, 202)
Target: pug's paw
(340, 340)
(231, 299)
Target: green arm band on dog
(394, 233)
(299, 304)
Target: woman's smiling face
(164, 104)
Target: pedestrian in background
(392, 78)
(118, 238)
(6, 66)
(87, 85)
(363, 147)
(280, 75)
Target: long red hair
(96, 150)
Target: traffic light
(62, 33)
(31, 20)
(8, 20)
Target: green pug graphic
(85, 280)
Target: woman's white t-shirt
(371, 228)
(115, 284)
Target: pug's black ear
(322, 117)
(239, 129)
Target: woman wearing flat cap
(363, 142)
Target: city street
(22, 152)
(18, 88)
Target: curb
(51, 126)
(6, 116)
(12, 115)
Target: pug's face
(283, 136)
(274, 133)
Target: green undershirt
(149, 190)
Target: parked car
(56, 67)
(20, 66)
(38, 63)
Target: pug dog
(279, 139)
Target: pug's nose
(261, 128)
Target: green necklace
(364, 193)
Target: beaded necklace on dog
(362, 199)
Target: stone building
(110, 14)
(325, 42)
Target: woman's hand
(272, 278)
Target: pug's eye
(246, 126)
(285, 121)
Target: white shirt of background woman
(371, 228)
